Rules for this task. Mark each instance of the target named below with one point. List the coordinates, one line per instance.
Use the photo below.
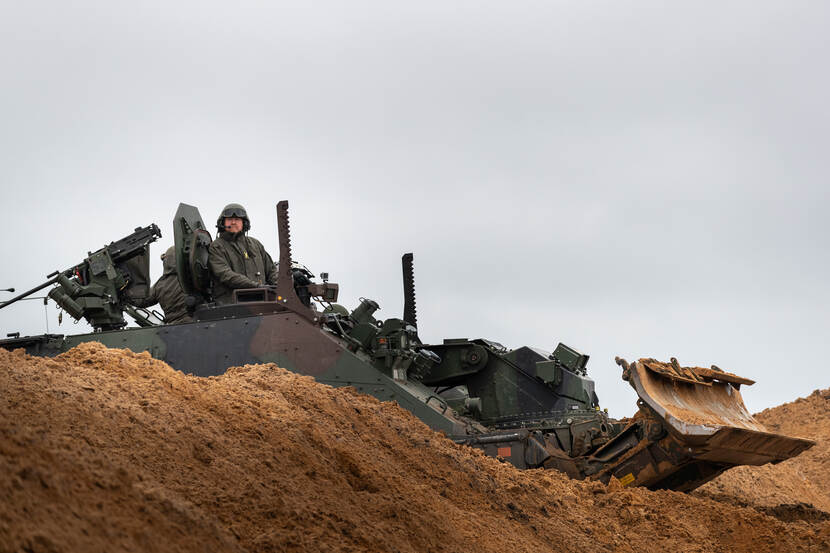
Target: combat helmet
(233, 210)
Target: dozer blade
(706, 428)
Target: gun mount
(99, 288)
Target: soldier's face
(233, 224)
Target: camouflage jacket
(238, 261)
(168, 293)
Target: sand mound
(799, 484)
(107, 450)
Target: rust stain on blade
(714, 404)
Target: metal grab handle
(441, 402)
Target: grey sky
(632, 179)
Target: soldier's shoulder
(256, 243)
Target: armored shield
(192, 241)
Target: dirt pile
(799, 484)
(107, 450)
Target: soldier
(168, 292)
(237, 260)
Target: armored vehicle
(530, 407)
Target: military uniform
(238, 261)
(168, 293)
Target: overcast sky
(637, 179)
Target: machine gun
(100, 288)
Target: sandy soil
(107, 450)
(801, 483)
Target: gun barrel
(28, 292)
